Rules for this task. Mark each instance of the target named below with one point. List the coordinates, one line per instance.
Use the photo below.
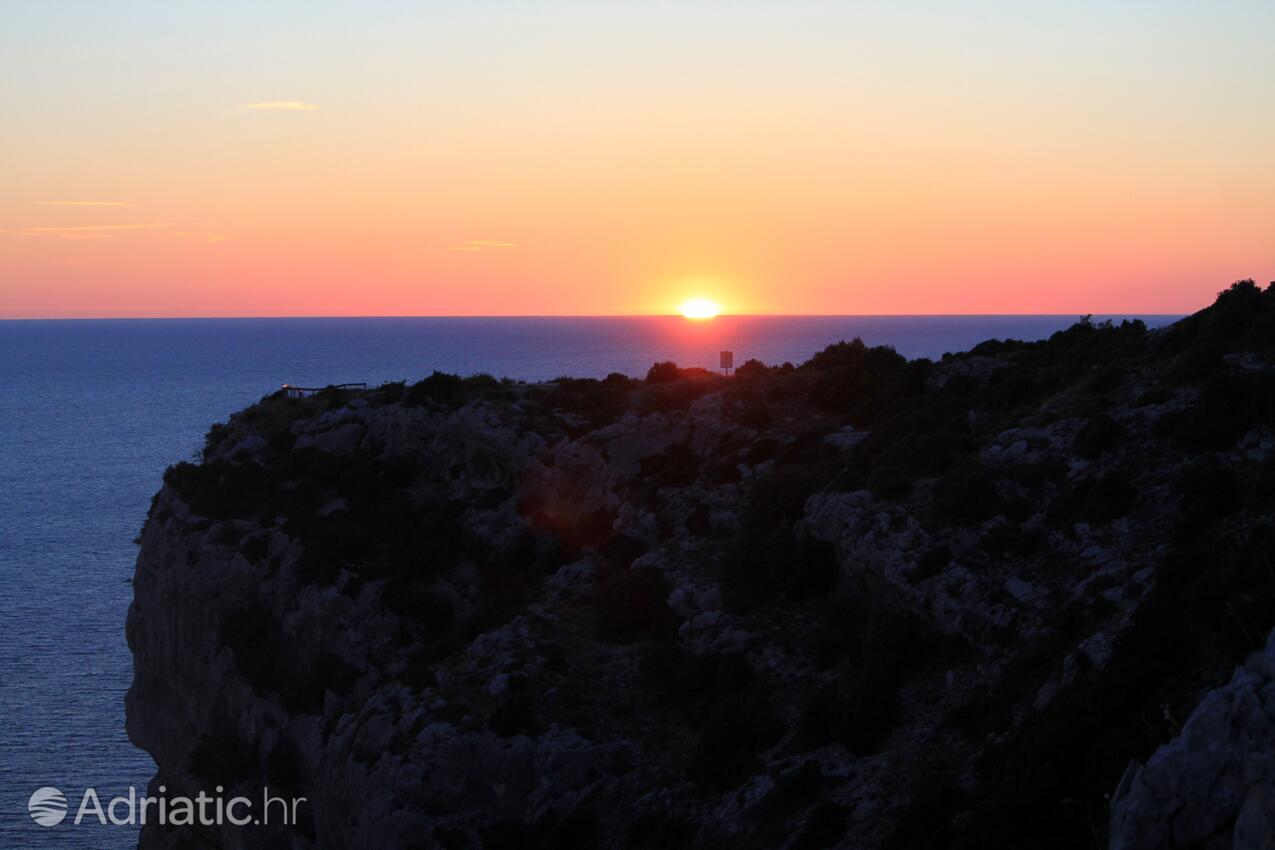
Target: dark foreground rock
(862, 602)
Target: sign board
(728, 360)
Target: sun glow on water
(700, 308)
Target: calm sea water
(91, 412)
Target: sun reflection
(700, 308)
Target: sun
(699, 308)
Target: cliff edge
(860, 602)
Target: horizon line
(127, 318)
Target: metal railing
(302, 392)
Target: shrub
(221, 489)
(693, 683)
(756, 415)
(439, 387)
(824, 828)
(771, 561)
(889, 482)
(932, 562)
(752, 368)
(1010, 539)
(770, 558)
(578, 830)
(726, 753)
(515, 716)
(634, 604)
(1097, 436)
(780, 494)
(1094, 501)
(480, 381)
(663, 372)
(1209, 492)
(878, 649)
(965, 496)
(859, 381)
(1228, 406)
(669, 397)
(429, 609)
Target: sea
(93, 411)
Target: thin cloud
(206, 238)
(280, 106)
(85, 204)
(88, 231)
(482, 245)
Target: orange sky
(189, 159)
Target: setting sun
(700, 308)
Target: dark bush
(965, 496)
(221, 489)
(932, 562)
(515, 716)
(576, 831)
(752, 368)
(661, 830)
(440, 387)
(429, 609)
(623, 549)
(1228, 407)
(771, 561)
(1097, 436)
(877, 649)
(634, 604)
(676, 466)
(669, 397)
(1010, 539)
(215, 437)
(756, 415)
(859, 381)
(770, 558)
(693, 683)
(726, 753)
(824, 828)
(1209, 492)
(794, 790)
(923, 452)
(889, 482)
(699, 521)
(663, 372)
(480, 381)
(1108, 498)
(616, 381)
(1107, 380)
(780, 494)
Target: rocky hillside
(861, 602)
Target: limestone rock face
(1214, 784)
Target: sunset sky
(413, 158)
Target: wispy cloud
(84, 204)
(482, 245)
(201, 236)
(87, 231)
(280, 106)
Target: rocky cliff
(861, 602)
